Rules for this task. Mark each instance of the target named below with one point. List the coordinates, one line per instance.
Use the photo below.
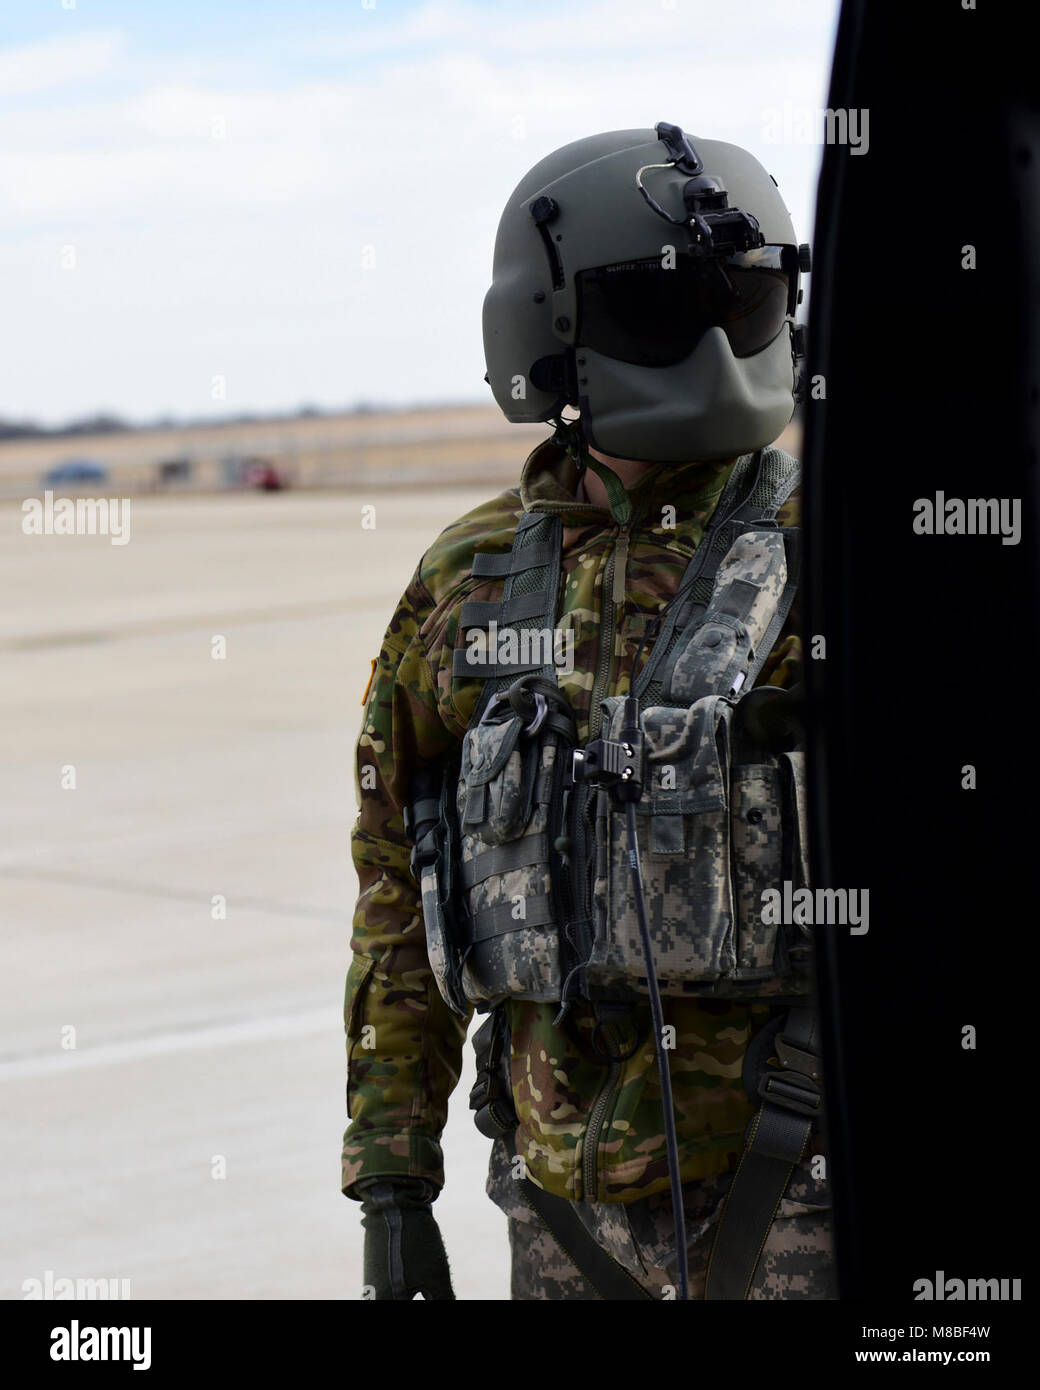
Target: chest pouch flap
(499, 769)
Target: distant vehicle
(173, 472)
(252, 472)
(261, 474)
(76, 471)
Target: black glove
(404, 1252)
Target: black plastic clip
(791, 1091)
(616, 764)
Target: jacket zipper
(594, 1128)
(613, 597)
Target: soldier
(648, 280)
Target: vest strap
(776, 1141)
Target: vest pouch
(796, 841)
(756, 828)
(506, 788)
(770, 849)
(794, 955)
(433, 865)
(443, 960)
(683, 829)
(497, 771)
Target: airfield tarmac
(189, 1140)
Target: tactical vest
(523, 860)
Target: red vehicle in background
(261, 473)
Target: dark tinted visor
(641, 312)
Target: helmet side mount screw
(545, 210)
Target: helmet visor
(653, 316)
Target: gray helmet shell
(711, 405)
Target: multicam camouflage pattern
(417, 713)
(723, 643)
(797, 1261)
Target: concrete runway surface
(196, 1040)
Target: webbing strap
(496, 921)
(486, 671)
(478, 613)
(532, 582)
(502, 859)
(776, 1141)
(495, 566)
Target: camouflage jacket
(404, 1045)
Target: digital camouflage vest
(525, 874)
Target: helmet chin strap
(570, 436)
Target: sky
(217, 207)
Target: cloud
(556, 31)
(58, 62)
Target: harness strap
(776, 1141)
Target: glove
(404, 1252)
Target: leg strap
(609, 1279)
(776, 1141)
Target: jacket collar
(550, 479)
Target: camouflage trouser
(797, 1261)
